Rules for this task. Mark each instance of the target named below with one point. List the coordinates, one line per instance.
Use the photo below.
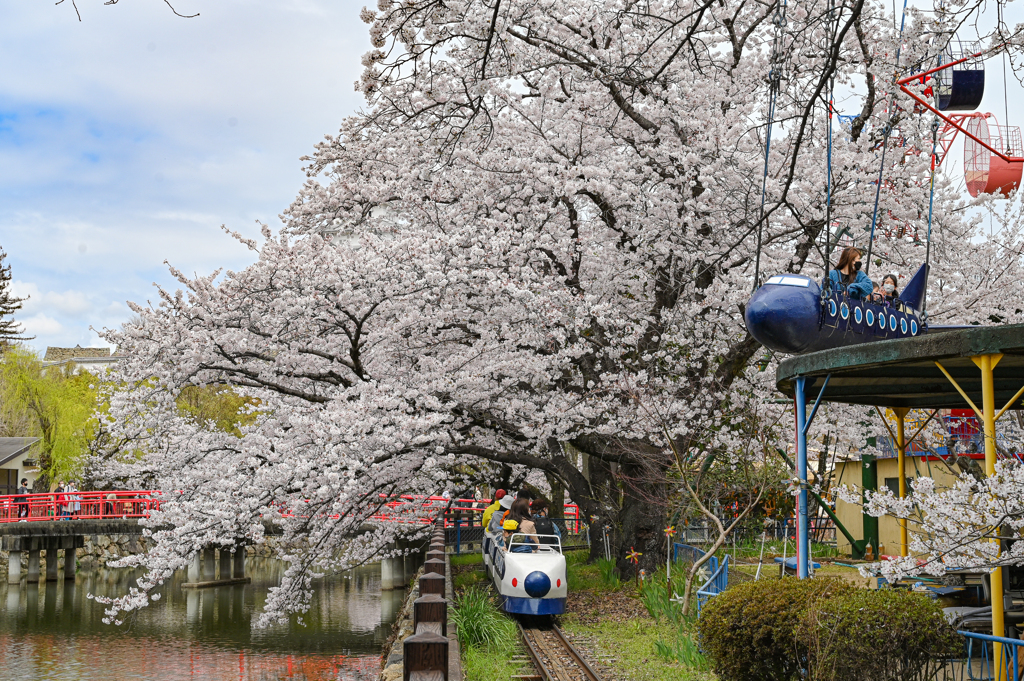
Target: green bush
(749, 631)
(481, 624)
(885, 635)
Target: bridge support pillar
(52, 565)
(410, 564)
(239, 563)
(33, 566)
(388, 578)
(195, 568)
(225, 563)
(70, 564)
(209, 564)
(14, 567)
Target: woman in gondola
(848, 278)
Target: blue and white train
(531, 583)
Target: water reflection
(52, 631)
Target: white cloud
(75, 303)
(41, 325)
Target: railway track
(555, 658)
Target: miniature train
(531, 583)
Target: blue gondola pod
(791, 314)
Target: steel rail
(539, 647)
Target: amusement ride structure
(831, 333)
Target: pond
(53, 631)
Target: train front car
(530, 583)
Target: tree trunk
(642, 522)
(557, 496)
(632, 506)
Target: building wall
(23, 470)
(849, 473)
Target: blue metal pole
(802, 538)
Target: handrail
(109, 504)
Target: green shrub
(749, 632)
(885, 635)
(480, 624)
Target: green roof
(902, 373)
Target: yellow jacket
(489, 511)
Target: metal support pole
(901, 449)
(987, 363)
(802, 538)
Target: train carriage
(531, 583)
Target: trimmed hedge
(824, 630)
(885, 635)
(749, 631)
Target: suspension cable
(931, 206)
(774, 80)
(828, 173)
(886, 130)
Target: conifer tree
(9, 329)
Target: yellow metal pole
(901, 448)
(987, 363)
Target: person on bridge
(23, 493)
(489, 511)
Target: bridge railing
(408, 508)
(82, 505)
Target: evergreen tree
(9, 329)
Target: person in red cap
(489, 511)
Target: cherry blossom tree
(543, 207)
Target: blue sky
(129, 138)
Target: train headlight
(537, 584)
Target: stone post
(209, 564)
(239, 563)
(33, 565)
(52, 565)
(225, 563)
(70, 564)
(195, 569)
(14, 567)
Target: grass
(634, 648)
(598, 577)
(481, 664)
(474, 558)
(488, 638)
